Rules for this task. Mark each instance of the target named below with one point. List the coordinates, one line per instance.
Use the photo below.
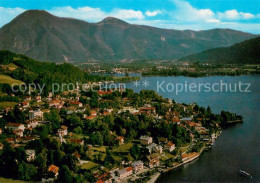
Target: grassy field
(166, 156)
(10, 66)
(184, 148)
(100, 149)
(4, 180)
(89, 165)
(7, 104)
(123, 148)
(9, 80)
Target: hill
(247, 52)
(45, 37)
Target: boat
(245, 174)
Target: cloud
(7, 14)
(186, 13)
(152, 13)
(86, 13)
(127, 14)
(83, 13)
(95, 14)
(182, 16)
(234, 14)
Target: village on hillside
(104, 136)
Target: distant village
(103, 136)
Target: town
(103, 136)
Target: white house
(15, 126)
(169, 146)
(30, 155)
(146, 140)
(137, 166)
(123, 173)
(37, 114)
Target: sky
(243, 15)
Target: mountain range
(45, 37)
(246, 52)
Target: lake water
(237, 148)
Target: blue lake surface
(238, 147)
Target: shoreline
(183, 163)
(154, 179)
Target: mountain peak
(113, 20)
(35, 13)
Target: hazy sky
(241, 15)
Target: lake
(237, 148)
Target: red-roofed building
(18, 133)
(147, 109)
(76, 104)
(54, 169)
(91, 117)
(120, 140)
(100, 92)
(15, 126)
(25, 104)
(169, 146)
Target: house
(100, 92)
(27, 139)
(190, 156)
(154, 148)
(32, 123)
(175, 119)
(91, 117)
(63, 130)
(25, 104)
(169, 146)
(30, 155)
(1, 131)
(158, 149)
(146, 140)
(37, 114)
(76, 104)
(18, 133)
(38, 98)
(1, 146)
(15, 126)
(93, 112)
(123, 173)
(77, 156)
(137, 166)
(10, 140)
(152, 160)
(54, 169)
(120, 140)
(28, 98)
(151, 147)
(186, 119)
(56, 103)
(131, 109)
(150, 110)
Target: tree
(53, 117)
(26, 171)
(209, 112)
(135, 151)
(65, 175)
(41, 162)
(109, 160)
